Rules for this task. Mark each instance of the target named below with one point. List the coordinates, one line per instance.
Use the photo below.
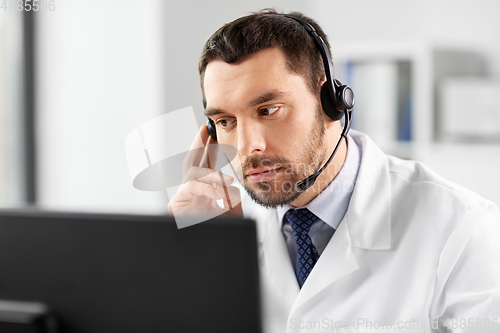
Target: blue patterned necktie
(301, 221)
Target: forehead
(268, 59)
(264, 70)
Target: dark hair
(250, 34)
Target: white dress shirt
(329, 206)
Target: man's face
(272, 118)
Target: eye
(268, 111)
(225, 122)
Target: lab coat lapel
(336, 261)
(367, 223)
(274, 259)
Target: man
(376, 243)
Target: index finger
(196, 150)
(209, 158)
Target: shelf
(429, 66)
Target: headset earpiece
(210, 124)
(345, 96)
(211, 129)
(335, 106)
(327, 103)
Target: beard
(282, 189)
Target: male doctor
(373, 243)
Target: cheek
(296, 136)
(283, 140)
(229, 151)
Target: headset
(337, 99)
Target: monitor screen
(125, 273)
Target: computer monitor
(129, 273)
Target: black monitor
(122, 273)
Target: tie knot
(300, 220)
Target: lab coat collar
(369, 214)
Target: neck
(328, 175)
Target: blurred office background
(77, 79)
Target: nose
(251, 138)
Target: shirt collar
(332, 203)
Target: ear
(320, 84)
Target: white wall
(12, 180)
(100, 75)
(470, 23)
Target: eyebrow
(265, 97)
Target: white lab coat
(412, 250)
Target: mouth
(262, 174)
